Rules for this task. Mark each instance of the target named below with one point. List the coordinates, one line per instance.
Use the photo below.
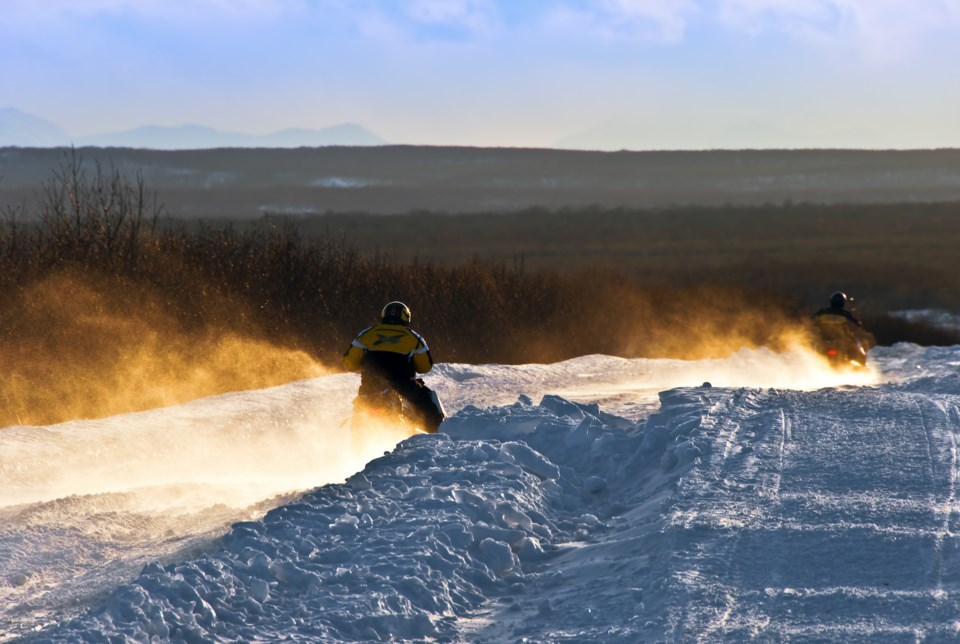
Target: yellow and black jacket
(387, 355)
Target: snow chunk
(531, 461)
(498, 556)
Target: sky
(597, 74)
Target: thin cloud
(448, 19)
(180, 10)
(403, 21)
(873, 26)
(670, 17)
(663, 21)
(649, 20)
(469, 13)
(878, 29)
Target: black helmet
(838, 300)
(396, 313)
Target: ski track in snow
(628, 503)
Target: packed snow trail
(728, 513)
(825, 515)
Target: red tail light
(832, 352)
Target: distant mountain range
(18, 128)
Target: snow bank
(421, 537)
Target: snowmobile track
(782, 479)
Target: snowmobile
(388, 407)
(838, 342)
(845, 354)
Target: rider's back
(387, 354)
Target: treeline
(98, 278)
(892, 256)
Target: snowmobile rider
(389, 355)
(840, 332)
(838, 303)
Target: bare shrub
(96, 217)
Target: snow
(761, 496)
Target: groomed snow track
(827, 515)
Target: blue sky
(607, 74)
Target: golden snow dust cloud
(78, 349)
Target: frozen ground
(598, 499)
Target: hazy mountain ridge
(20, 129)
